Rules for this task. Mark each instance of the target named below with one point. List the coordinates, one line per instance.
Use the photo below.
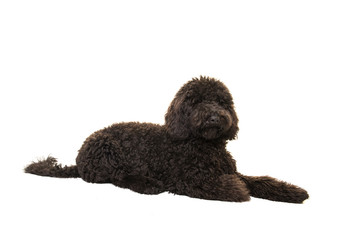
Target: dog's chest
(208, 160)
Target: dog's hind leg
(138, 183)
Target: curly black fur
(185, 156)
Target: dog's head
(202, 108)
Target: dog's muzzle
(211, 121)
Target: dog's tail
(49, 167)
(272, 189)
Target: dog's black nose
(214, 119)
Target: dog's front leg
(227, 187)
(273, 189)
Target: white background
(69, 68)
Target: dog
(186, 156)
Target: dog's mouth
(211, 132)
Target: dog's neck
(214, 143)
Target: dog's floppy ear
(234, 129)
(176, 119)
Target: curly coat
(187, 155)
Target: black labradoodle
(185, 156)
